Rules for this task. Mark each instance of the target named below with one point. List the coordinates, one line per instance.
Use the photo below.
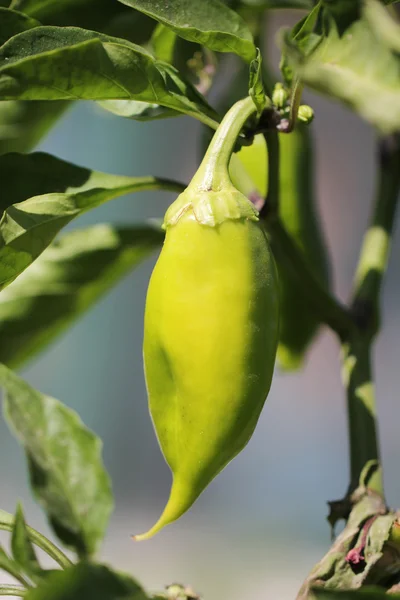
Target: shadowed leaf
(88, 582)
(41, 194)
(70, 276)
(64, 458)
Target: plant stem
(215, 164)
(361, 409)
(14, 572)
(271, 204)
(51, 549)
(158, 183)
(371, 269)
(375, 250)
(295, 100)
(7, 524)
(205, 119)
(12, 590)
(287, 125)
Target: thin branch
(369, 277)
(271, 204)
(205, 119)
(14, 572)
(41, 542)
(295, 100)
(361, 410)
(12, 590)
(376, 246)
(287, 125)
(166, 185)
(51, 549)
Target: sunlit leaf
(163, 43)
(66, 63)
(139, 111)
(368, 593)
(356, 68)
(386, 29)
(209, 22)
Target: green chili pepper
(211, 325)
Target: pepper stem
(213, 172)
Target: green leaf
(355, 68)
(22, 548)
(65, 281)
(256, 87)
(41, 194)
(12, 22)
(87, 582)
(209, 22)
(68, 63)
(304, 36)
(386, 29)
(81, 13)
(98, 15)
(305, 4)
(64, 457)
(167, 47)
(12, 590)
(366, 533)
(136, 110)
(163, 43)
(343, 12)
(23, 124)
(367, 593)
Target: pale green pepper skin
(211, 327)
(210, 337)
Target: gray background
(260, 526)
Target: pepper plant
(258, 242)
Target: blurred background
(261, 525)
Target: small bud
(305, 113)
(176, 591)
(279, 96)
